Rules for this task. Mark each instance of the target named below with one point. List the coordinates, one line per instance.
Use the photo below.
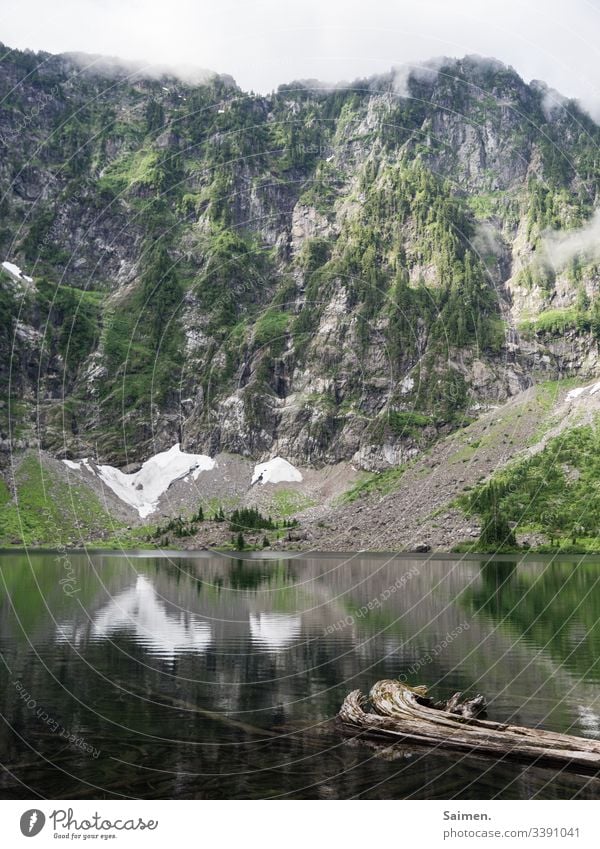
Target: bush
(271, 329)
(407, 423)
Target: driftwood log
(396, 712)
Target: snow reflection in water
(140, 612)
(274, 631)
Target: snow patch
(590, 390)
(15, 272)
(276, 470)
(143, 489)
(407, 385)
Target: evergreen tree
(155, 116)
(161, 290)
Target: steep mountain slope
(524, 473)
(326, 275)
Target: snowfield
(15, 272)
(143, 489)
(276, 470)
(588, 390)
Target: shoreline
(266, 554)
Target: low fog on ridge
(264, 44)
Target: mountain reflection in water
(205, 677)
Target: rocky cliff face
(324, 275)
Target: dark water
(209, 677)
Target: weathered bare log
(403, 713)
(469, 708)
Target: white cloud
(559, 247)
(487, 240)
(266, 42)
(553, 102)
(426, 72)
(133, 68)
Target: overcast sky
(263, 43)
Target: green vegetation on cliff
(553, 492)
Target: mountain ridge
(333, 275)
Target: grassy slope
(51, 510)
(554, 493)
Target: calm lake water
(203, 676)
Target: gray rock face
(292, 223)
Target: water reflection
(553, 605)
(274, 631)
(222, 676)
(141, 614)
